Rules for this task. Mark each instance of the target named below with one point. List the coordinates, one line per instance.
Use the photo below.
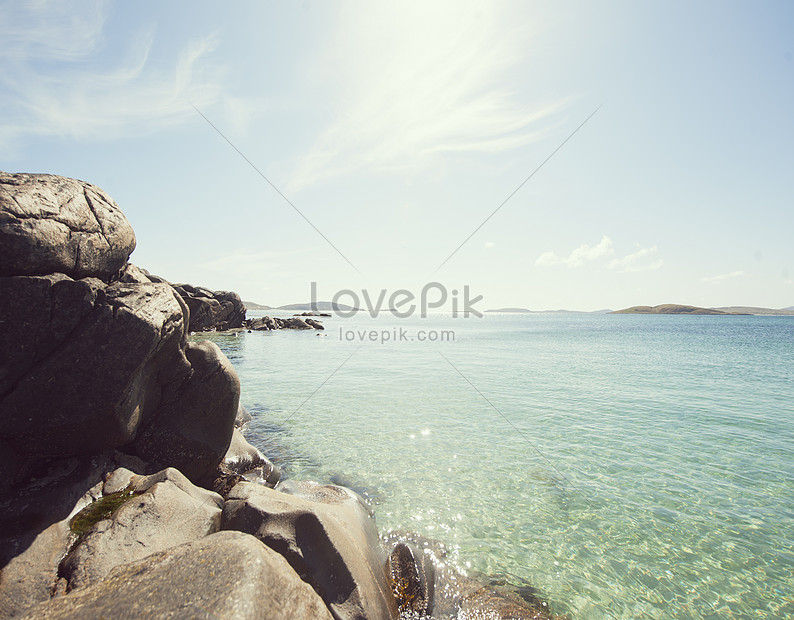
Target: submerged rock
(416, 562)
(412, 575)
(225, 575)
(268, 323)
(52, 224)
(243, 417)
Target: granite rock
(212, 310)
(34, 525)
(328, 537)
(163, 510)
(194, 425)
(52, 224)
(225, 575)
(94, 364)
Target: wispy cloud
(55, 79)
(579, 256)
(719, 279)
(641, 260)
(247, 263)
(419, 80)
(51, 30)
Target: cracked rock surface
(52, 224)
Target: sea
(625, 466)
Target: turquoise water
(625, 465)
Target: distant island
(754, 310)
(726, 310)
(327, 306)
(670, 309)
(320, 306)
(528, 311)
(250, 305)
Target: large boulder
(212, 310)
(52, 224)
(93, 350)
(34, 525)
(327, 535)
(86, 364)
(161, 511)
(225, 575)
(194, 425)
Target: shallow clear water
(626, 465)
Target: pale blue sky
(397, 128)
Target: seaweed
(99, 510)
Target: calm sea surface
(626, 466)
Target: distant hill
(255, 306)
(755, 310)
(322, 306)
(670, 309)
(510, 310)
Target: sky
(572, 155)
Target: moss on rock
(99, 510)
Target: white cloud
(719, 279)
(418, 80)
(548, 259)
(579, 256)
(489, 244)
(641, 260)
(55, 79)
(637, 261)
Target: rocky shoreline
(127, 487)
